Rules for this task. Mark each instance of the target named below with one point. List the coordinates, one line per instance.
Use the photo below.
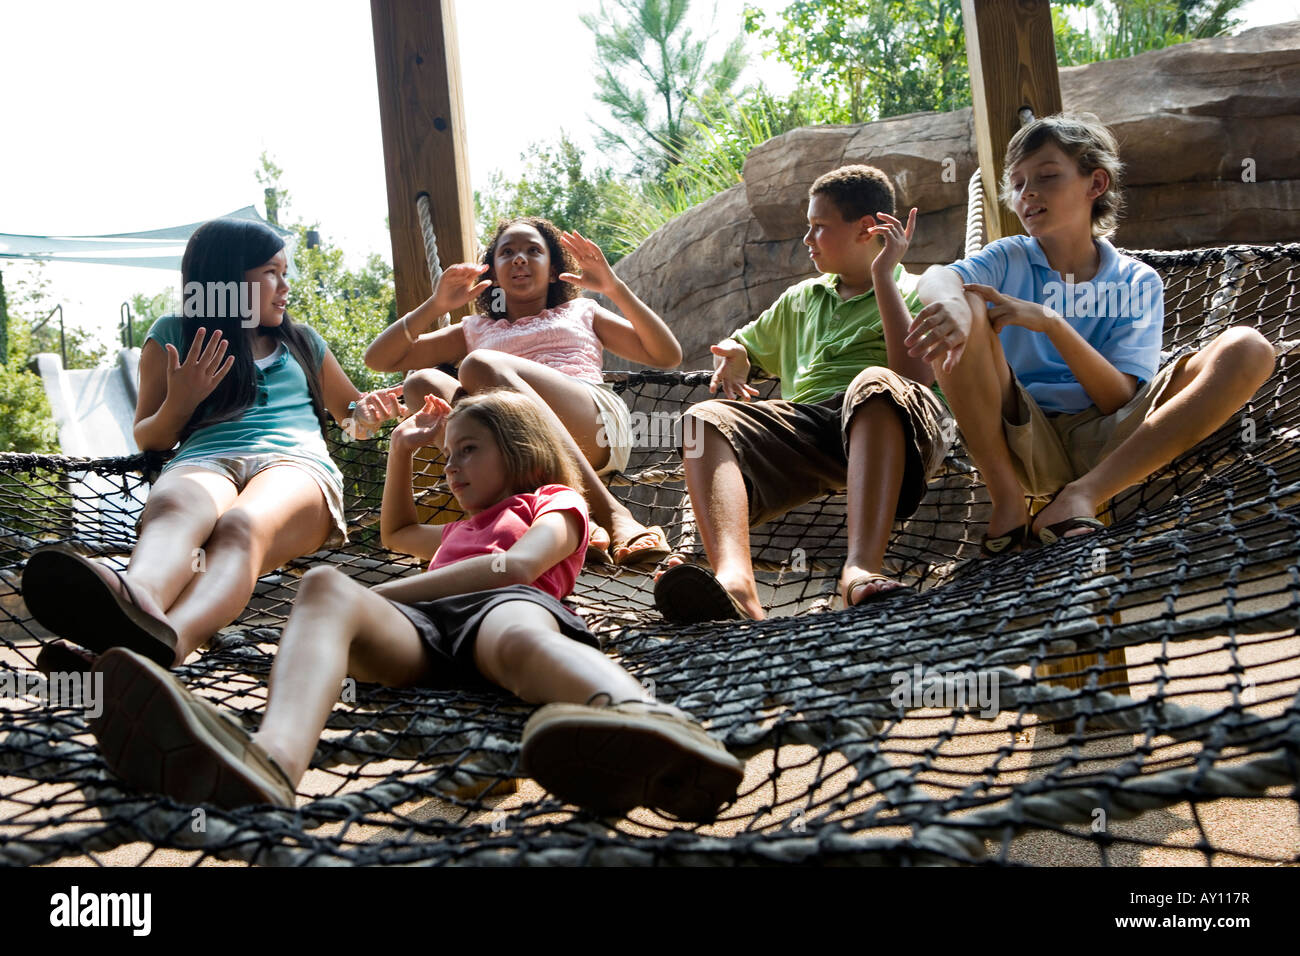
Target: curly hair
(561, 261)
(856, 191)
(534, 453)
(1083, 138)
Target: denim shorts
(240, 469)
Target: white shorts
(615, 431)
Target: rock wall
(1210, 133)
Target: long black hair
(218, 254)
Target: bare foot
(1068, 503)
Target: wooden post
(422, 117)
(1012, 55)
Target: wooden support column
(1012, 55)
(422, 117)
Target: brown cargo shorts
(792, 452)
(1050, 450)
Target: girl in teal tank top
(244, 390)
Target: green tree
(348, 307)
(1112, 29)
(276, 198)
(652, 67)
(34, 324)
(880, 58)
(4, 322)
(147, 309)
(553, 185)
(875, 58)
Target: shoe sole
(609, 763)
(158, 741)
(689, 594)
(70, 599)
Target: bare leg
(981, 394)
(877, 457)
(429, 381)
(569, 405)
(281, 514)
(721, 507)
(338, 627)
(520, 648)
(182, 510)
(1211, 386)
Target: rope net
(1127, 697)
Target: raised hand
(940, 331)
(458, 285)
(596, 273)
(423, 428)
(1008, 310)
(372, 409)
(191, 381)
(895, 237)
(731, 372)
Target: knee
(873, 375)
(320, 581)
(511, 653)
(1245, 348)
(237, 528)
(485, 368)
(700, 434)
(422, 382)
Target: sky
(141, 114)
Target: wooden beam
(422, 118)
(1012, 56)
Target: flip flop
(863, 579)
(598, 553)
(67, 596)
(690, 594)
(992, 547)
(1052, 533)
(653, 546)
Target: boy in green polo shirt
(857, 412)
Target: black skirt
(449, 628)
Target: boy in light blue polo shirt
(1047, 346)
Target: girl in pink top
(488, 611)
(532, 332)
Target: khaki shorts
(791, 452)
(240, 469)
(615, 431)
(1050, 450)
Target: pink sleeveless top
(562, 338)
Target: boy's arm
(731, 371)
(895, 316)
(760, 343)
(552, 537)
(1108, 387)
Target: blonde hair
(534, 453)
(1083, 138)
